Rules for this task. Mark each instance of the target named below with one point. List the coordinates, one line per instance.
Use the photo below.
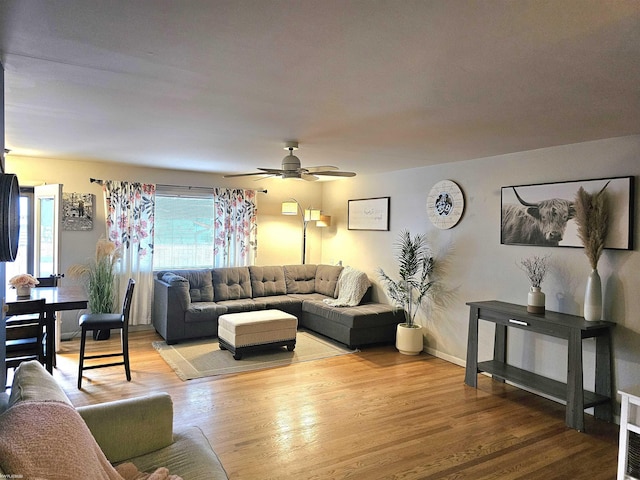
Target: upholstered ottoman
(256, 330)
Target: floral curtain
(130, 221)
(235, 227)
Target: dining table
(62, 297)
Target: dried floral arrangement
(536, 268)
(23, 280)
(100, 276)
(592, 218)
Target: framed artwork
(77, 211)
(542, 214)
(369, 214)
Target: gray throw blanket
(352, 285)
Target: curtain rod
(101, 182)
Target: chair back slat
(24, 333)
(25, 307)
(126, 305)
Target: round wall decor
(445, 204)
(9, 217)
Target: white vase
(23, 290)
(593, 297)
(409, 340)
(535, 301)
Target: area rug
(203, 358)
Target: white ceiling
(369, 86)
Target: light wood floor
(375, 414)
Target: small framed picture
(369, 214)
(77, 211)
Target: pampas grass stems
(592, 218)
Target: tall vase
(593, 297)
(535, 301)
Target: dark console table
(569, 327)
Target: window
(184, 228)
(24, 260)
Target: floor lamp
(308, 215)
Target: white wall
(480, 268)
(280, 237)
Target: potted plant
(100, 277)
(23, 284)
(415, 267)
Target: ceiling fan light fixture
(291, 163)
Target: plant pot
(101, 334)
(409, 340)
(535, 301)
(23, 291)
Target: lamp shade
(325, 221)
(289, 208)
(311, 214)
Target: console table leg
(500, 347)
(471, 372)
(603, 377)
(575, 392)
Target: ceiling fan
(291, 168)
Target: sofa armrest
(131, 427)
(170, 302)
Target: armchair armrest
(128, 428)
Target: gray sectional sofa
(187, 303)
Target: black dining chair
(107, 321)
(50, 281)
(25, 329)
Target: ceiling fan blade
(308, 178)
(336, 174)
(322, 168)
(265, 171)
(245, 174)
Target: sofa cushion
(31, 382)
(267, 281)
(327, 279)
(200, 286)
(204, 312)
(241, 305)
(363, 316)
(286, 303)
(300, 278)
(231, 283)
(190, 456)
